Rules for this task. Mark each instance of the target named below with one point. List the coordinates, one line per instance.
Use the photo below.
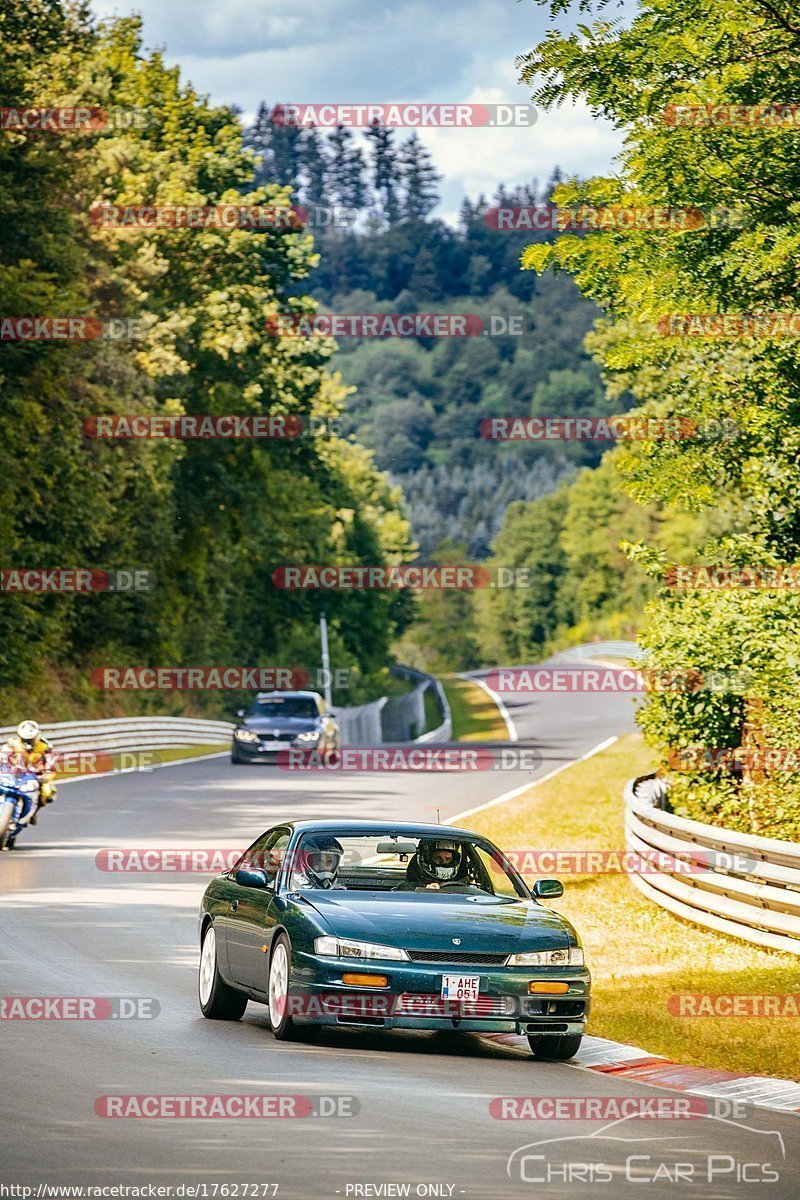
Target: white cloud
(244, 51)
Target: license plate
(461, 987)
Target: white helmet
(28, 732)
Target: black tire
(284, 1029)
(235, 759)
(218, 1000)
(555, 1047)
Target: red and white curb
(631, 1062)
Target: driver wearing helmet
(30, 751)
(438, 862)
(320, 856)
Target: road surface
(419, 1117)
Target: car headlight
(569, 957)
(310, 735)
(333, 947)
(245, 735)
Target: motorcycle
(19, 800)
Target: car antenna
(438, 818)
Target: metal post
(326, 662)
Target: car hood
(282, 724)
(426, 921)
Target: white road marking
(534, 783)
(513, 736)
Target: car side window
(274, 855)
(256, 857)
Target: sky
(314, 51)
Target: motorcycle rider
(29, 750)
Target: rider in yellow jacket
(30, 751)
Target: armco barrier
(132, 733)
(751, 889)
(603, 650)
(361, 724)
(412, 706)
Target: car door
(231, 892)
(250, 925)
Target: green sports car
(390, 925)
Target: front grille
(423, 1004)
(269, 738)
(452, 956)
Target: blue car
(390, 925)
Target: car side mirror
(548, 889)
(251, 877)
(240, 712)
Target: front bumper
(411, 997)
(268, 751)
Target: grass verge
(476, 717)
(641, 955)
(144, 759)
(175, 753)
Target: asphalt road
(420, 1109)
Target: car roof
(283, 695)
(346, 825)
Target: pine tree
(420, 179)
(314, 168)
(386, 181)
(347, 179)
(258, 137)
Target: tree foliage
(745, 261)
(211, 519)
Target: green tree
(743, 260)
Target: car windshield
(385, 862)
(284, 706)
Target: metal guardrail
(131, 733)
(360, 725)
(444, 731)
(601, 649)
(739, 884)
